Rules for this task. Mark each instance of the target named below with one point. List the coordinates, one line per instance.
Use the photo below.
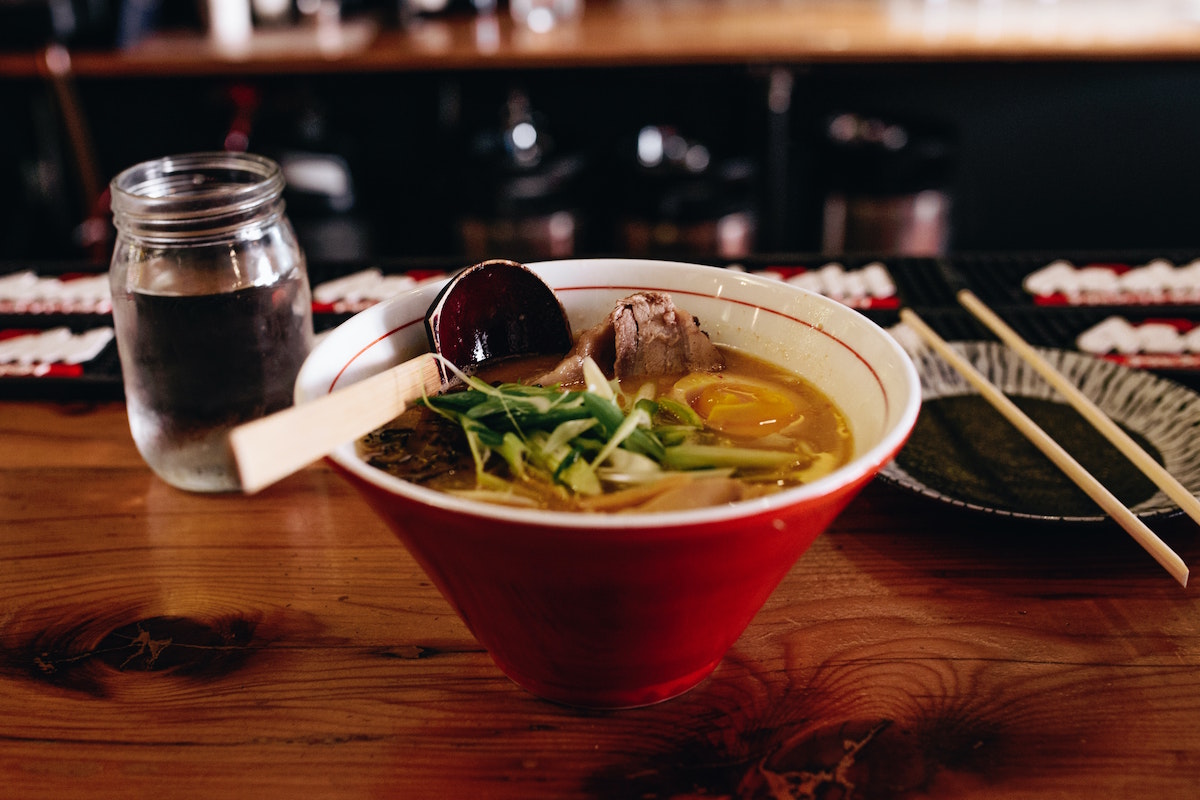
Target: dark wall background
(1054, 156)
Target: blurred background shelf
(384, 37)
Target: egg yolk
(744, 409)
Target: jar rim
(196, 195)
(195, 185)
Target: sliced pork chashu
(644, 335)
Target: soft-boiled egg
(738, 405)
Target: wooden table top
(155, 643)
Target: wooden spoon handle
(273, 447)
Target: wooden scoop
(489, 312)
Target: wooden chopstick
(1149, 541)
(1090, 411)
(273, 447)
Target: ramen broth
(750, 406)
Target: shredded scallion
(578, 440)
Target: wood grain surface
(160, 644)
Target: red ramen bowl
(612, 611)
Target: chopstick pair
(1149, 541)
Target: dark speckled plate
(962, 452)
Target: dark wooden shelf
(642, 33)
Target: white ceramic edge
(837, 320)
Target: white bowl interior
(856, 363)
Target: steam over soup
(724, 428)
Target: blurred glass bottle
(543, 16)
(681, 200)
(211, 305)
(886, 186)
(527, 201)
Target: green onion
(567, 431)
(555, 441)
(610, 418)
(638, 418)
(700, 456)
(593, 378)
(513, 450)
(681, 411)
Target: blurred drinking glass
(211, 306)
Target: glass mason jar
(211, 305)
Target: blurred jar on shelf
(886, 186)
(680, 201)
(544, 16)
(524, 200)
(414, 12)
